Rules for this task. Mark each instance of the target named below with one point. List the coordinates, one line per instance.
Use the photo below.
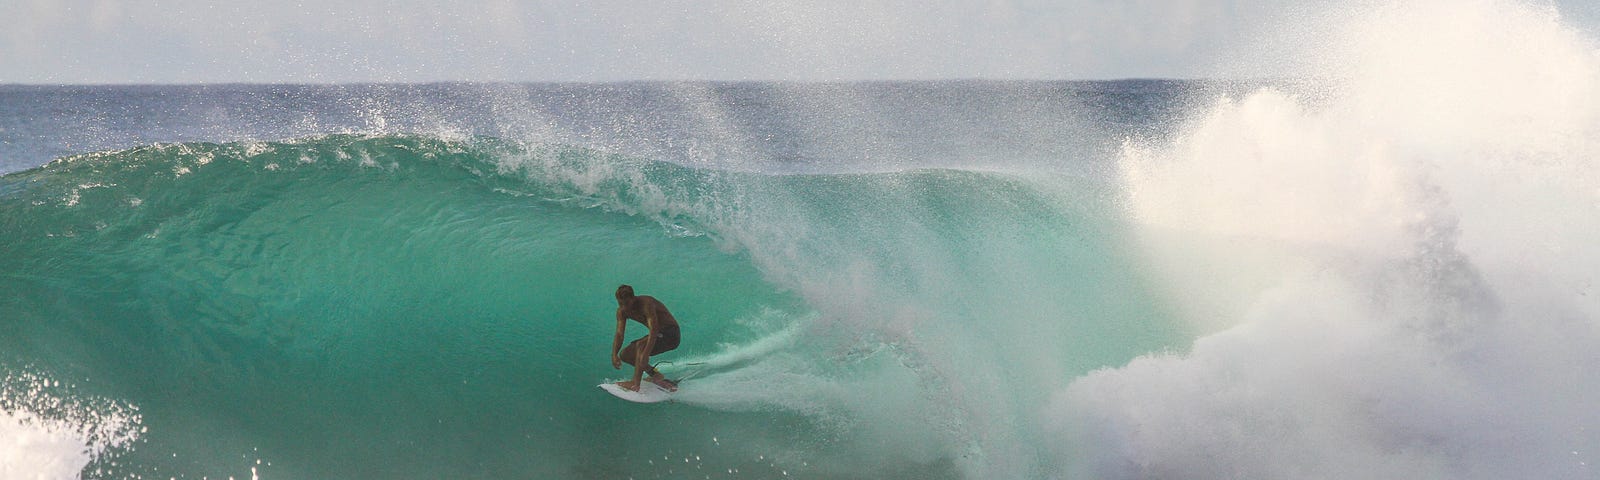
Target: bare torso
(642, 306)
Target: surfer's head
(624, 293)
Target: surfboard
(648, 392)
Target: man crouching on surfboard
(663, 337)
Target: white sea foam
(1392, 281)
(46, 433)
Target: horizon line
(649, 81)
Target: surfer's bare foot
(664, 383)
(630, 385)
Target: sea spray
(1400, 273)
(51, 431)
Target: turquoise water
(1388, 272)
(381, 306)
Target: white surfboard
(648, 392)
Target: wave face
(1385, 273)
(417, 307)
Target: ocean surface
(1385, 272)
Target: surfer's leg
(631, 355)
(661, 380)
(641, 363)
(666, 342)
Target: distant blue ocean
(1377, 276)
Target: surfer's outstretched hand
(616, 362)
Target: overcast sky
(198, 41)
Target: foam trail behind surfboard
(776, 373)
(735, 356)
(727, 379)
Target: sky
(207, 41)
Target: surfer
(663, 336)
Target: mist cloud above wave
(1401, 269)
(181, 41)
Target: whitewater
(1384, 269)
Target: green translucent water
(407, 307)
